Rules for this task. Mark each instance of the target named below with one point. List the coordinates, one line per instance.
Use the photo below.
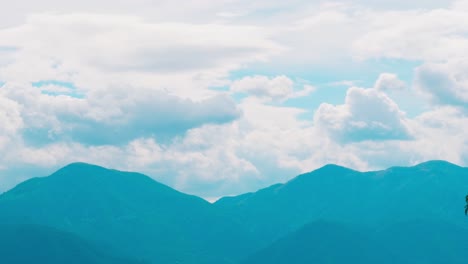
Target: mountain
(142, 219)
(425, 241)
(409, 242)
(25, 244)
(431, 190)
(323, 242)
(123, 211)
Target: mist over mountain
(404, 214)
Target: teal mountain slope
(139, 218)
(26, 244)
(425, 241)
(432, 190)
(122, 211)
(322, 242)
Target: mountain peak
(81, 165)
(431, 164)
(332, 166)
(82, 169)
(332, 169)
(329, 170)
(110, 207)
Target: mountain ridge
(327, 167)
(370, 198)
(111, 207)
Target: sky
(223, 97)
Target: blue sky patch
(69, 88)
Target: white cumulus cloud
(389, 82)
(279, 88)
(367, 114)
(444, 83)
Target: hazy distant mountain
(410, 242)
(27, 244)
(128, 212)
(431, 190)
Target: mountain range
(330, 215)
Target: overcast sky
(222, 97)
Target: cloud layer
(226, 97)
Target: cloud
(279, 88)
(112, 116)
(160, 115)
(6, 55)
(441, 135)
(444, 83)
(138, 90)
(10, 117)
(99, 50)
(367, 114)
(201, 11)
(267, 144)
(419, 34)
(389, 82)
(10, 124)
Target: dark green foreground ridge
(399, 215)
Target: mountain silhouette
(431, 190)
(138, 218)
(123, 211)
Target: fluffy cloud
(367, 114)
(279, 88)
(10, 123)
(445, 84)
(109, 79)
(442, 135)
(420, 34)
(112, 116)
(95, 51)
(389, 82)
(10, 117)
(268, 144)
